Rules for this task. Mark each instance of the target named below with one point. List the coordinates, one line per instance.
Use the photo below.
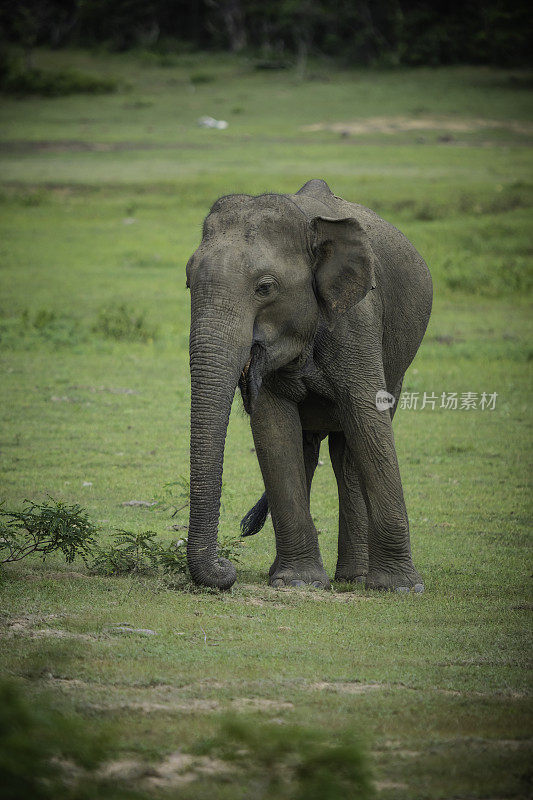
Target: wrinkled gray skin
(312, 305)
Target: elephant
(314, 307)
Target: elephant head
(263, 274)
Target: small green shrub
(174, 496)
(32, 198)
(499, 278)
(45, 528)
(130, 553)
(499, 203)
(198, 78)
(137, 105)
(54, 526)
(173, 558)
(34, 744)
(122, 323)
(144, 554)
(19, 81)
(49, 755)
(426, 212)
(153, 58)
(43, 326)
(273, 64)
(292, 762)
(44, 319)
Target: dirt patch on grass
(27, 620)
(510, 694)
(181, 768)
(69, 683)
(178, 769)
(124, 769)
(344, 687)
(506, 744)
(27, 626)
(383, 786)
(266, 596)
(109, 389)
(78, 146)
(259, 603)
(260, 704)
(58, 633)
(393, 125)
(191, 706)
(55, 576)
(197, 706)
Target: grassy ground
(102, 203)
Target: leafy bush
(143, 554)
(174, 495)
(292, 762)
(122, 323)
(130, 553)
(498, 278)
(33, 741)
(58, 83)
(197, 78)
(45, 528)
(173, 558)
(42, 327)
(47, 755)
(54, 526)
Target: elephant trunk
(218, 353)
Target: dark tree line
(382, 32)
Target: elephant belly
(318, 414)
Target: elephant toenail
(418, 588)
(297, 583)
(402, 589)
(317, 585)
(277, 583)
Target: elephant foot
(346, 573)
(396, 579)
(312, 575)
(274, 567)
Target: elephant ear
(344, 263)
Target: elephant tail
(253, 521)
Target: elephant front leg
(278, 442)
(311, 452)
(352, 561)
(370, 437)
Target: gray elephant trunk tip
(220, 575)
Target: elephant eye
(265, 287)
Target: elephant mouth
(251, 377)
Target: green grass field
(102, 201)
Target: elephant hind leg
(352, 561)
(354, 521)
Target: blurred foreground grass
(102, 203)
